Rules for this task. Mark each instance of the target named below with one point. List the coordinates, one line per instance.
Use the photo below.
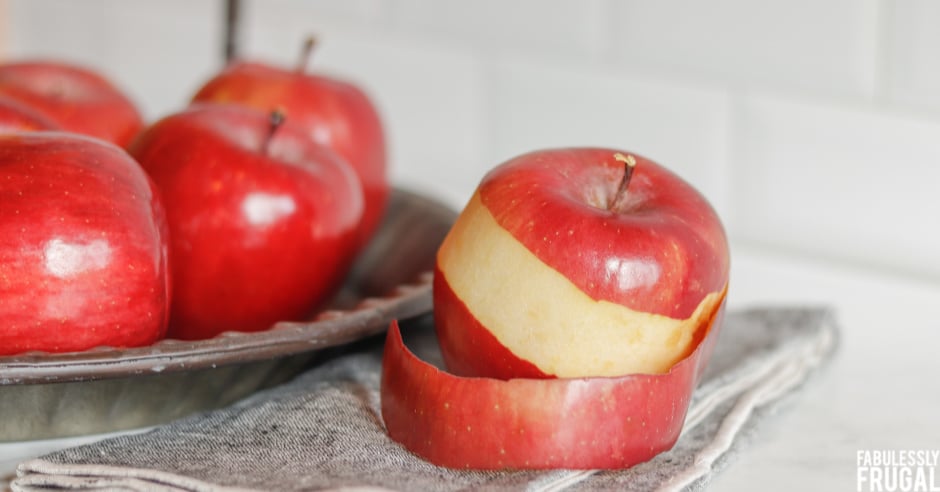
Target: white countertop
(881, 392)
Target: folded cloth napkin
(324, 429)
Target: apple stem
(305, 53)
(232, 28)
(275, 120)
(629, 162)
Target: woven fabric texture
(324, 429)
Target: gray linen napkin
(324, 429)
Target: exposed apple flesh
(459, 332)
(485, 275)
(572, 423)
(577, 262)
(661, 249)
(577, 298)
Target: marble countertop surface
(880, 392)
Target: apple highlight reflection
(263, 209)
(631, 273)
(64, 259)
(83, 246)
(272, 241)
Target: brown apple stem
(629, 162)
(305, 53)
(274, 122)
(232, 29)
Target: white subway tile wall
(557, 29)
(912, 74)
(155, 51)
(684, 127)
(844, 182)
(814, 127)
(801, 45)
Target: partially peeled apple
(577, 299)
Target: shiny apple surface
(263, 224)
(16, 116)
(77, 98)
(109, 388)
(566, 263)
(82, 246)
(662, 250)
(571, 423)
(334, 112)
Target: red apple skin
(334, 112)
(553, 202)
(83, 244)
(18, 117)
(257, 236)
(77, 98)
(574, 423)
(541, 199)
(459, 334)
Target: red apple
(577, 298)
(554, 270)
(334, 112)
(262, 219)
(572, 423)
(77, 98)
(16, 116)
(82, 246)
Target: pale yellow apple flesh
(543, 318)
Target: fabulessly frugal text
(898, 470)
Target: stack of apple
(577, 299)
(245, 208)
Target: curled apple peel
(577, 299)
(572, 423)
